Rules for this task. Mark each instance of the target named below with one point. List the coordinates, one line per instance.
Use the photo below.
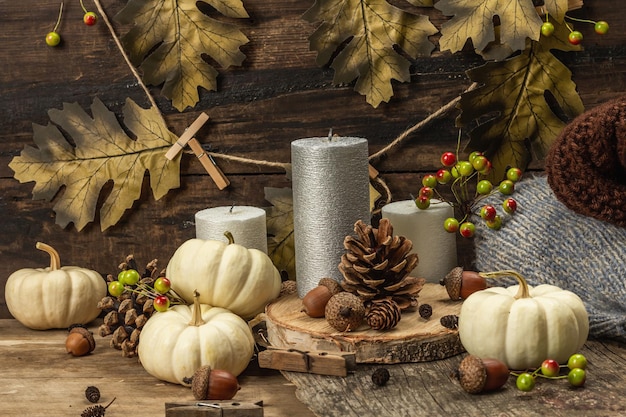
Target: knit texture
(586, 165)
(549, 244)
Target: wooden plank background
(277, 96)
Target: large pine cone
(377, 264)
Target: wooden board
(414, 339)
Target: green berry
(451, 225)
(465, 168)
(161, 303)
(575, 37)
(473, 156)
(547, 29)
(495, 224)
(550, 368)
(484, 187)
(507, 187)
(479, 163)
(128, 277)
(429, 181)
(455, 172)
(422, 202)
(467, 229)
(162, 285)
(525, 382)
(514, 174)
(53, 39)
(577, 361)
(601, 27)
(116, 288)
(577, 377)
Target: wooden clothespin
(214, 408)
(207, 162)
(314, 362)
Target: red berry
(448, 159)
(575, 37)
(509, 205)
(90, 18)
(429, 180)
(427, 192)
(495, 224)
(467, 229)
(161, 303)
(443, 176)
(550, 368)
(488, 212)
(422, 202)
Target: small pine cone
(96, 410)
(380, 376)
(383, 315)
(425, 311)
(92, 394)
(450, 321)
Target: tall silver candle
(330, 193)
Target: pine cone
(383, 315)
(377, 264)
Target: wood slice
(414, 339)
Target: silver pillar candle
(330, 193)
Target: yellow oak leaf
(169, 38)
(471, 19)
(359, 37)
(102, 153)
(280, 244)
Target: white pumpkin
(173, 344)
(225, 274)
(523, 325)
(54, 297)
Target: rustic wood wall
(279, 95)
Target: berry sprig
(550, 369)
(53, 38)
(89, 18)
(160, 291)
(459, 174)
(575, 37)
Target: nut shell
(79, 341)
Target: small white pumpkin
(173, 344)
(225, 274)
(54, 297)
(523, 325)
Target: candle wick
(232, 207)
(330, 134)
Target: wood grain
(414, 339)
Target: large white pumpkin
(523, 325)
(225, 274)
(173, 344)
(54, 297)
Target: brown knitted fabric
(586, 165)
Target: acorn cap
(452, 282)
(200, 382)
(344, 311)
(331, 284)
(472, 374)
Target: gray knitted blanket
(550, 244)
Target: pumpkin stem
(523, 291)
(196, 313)
(230, 237)
(55, 259)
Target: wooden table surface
(37, 378)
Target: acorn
(314, 302)
(213, 384)
(344, 311)
(79, 341)
(461, 284)
(478, 375)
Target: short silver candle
(330, 193)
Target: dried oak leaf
(471, 19)
(522, 104)
(169, 38)
(280, 244)
(102, 152)
(359, 36)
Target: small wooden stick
(186, 136)
(209, 164)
